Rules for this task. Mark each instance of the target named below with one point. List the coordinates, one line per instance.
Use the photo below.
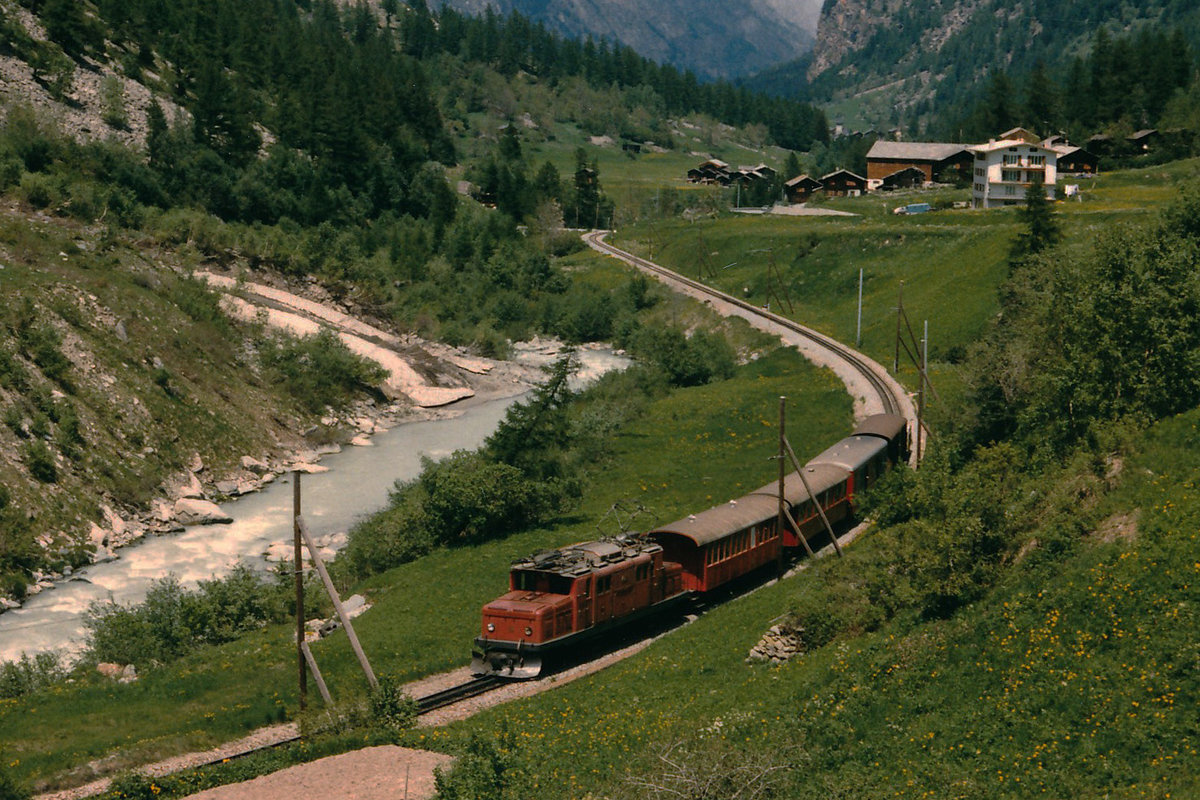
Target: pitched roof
(914, 151)
(1006, 143)
(799, 179)
(1024, 134)
(839, 172)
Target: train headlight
(491, 627)
(528, 631)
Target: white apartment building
(1004, 169)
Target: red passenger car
(560, 598)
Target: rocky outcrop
(779, 644)
(191, 511)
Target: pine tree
(1041, 229)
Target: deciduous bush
(318, 370)
(30, 674)
(172, 620)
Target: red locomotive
(559, 599)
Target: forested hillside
(311, 141)
(914, 64)
(709, 38)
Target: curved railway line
(890, 398)
(889, 395)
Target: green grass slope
(1075, 678)
(217, 694)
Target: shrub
(29, 675)
(43, 344)
(172, 621)
(487, 769)
(687, 361)
(318, 370)
(40, 462)
(392, 709)
(39, 190)
(10, 789)
(112, 97)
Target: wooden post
(298, 561)
(799, 533)
(316, 671)
(858, 330)
(782, 475)
(800, 471)
(921, 390)
(337, 602)
(899, 315)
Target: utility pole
(782, 475)
(921, 389)
(899, 316)
(298, 556)
(858, 333)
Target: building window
(979, 172)
(1037, 161)
(1013, 175)
(1010, 190)
(1010, 161)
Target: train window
(559, 584)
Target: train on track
(558, 600)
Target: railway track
(890, 395)
(463, 691)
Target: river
(356, 485)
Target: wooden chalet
(932, 158)
(1144, 140)
(907, 178)
(800, 188)
(844, 183)
(1100, 144)
(1076, 161)
(1021, 135)
(712, 171)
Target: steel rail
(858, 361)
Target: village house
(1076, 161)
(907, 178)
(712, 171)
(1143, 140)
(844, 183)
(800, 188)
(932, 158)
(1005, 169)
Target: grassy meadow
(218, 694)
(1074, 679)
(888, 714)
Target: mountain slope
(704, 36)
(938, 54)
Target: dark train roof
(582, 558)
(852, 452)
(717, 523)
(819, 476)
(887, 426)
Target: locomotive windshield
(546, 582)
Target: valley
(189, 191)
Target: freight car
(560, 599)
